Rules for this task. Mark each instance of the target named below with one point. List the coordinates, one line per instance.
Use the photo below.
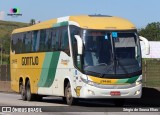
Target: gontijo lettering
(30, 60)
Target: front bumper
(88, 91)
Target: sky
(139, 12)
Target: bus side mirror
(146, 43)
(79, 44)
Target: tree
(32, 22)
(5, 47)
(6, 43)
(151, 31)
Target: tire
(29, 95)
(68, 96)
(119, 102)
(23, 92)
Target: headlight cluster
(91, 83)
(124, 86)
(88, 81)
(138, 82)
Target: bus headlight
(84, 80)
(87, 81)
(90, 83)
(138, 82)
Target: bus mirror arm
(147, 46)
(79, 44)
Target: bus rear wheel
(29, 95)
(23, 93)
(70, 100)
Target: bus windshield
(111, 53)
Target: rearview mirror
(79, 44)
(146, 43)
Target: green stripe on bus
(61, 24)
(49, 69)
(132, 79)
(127, 80)
(120, 81)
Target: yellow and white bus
(86, 56)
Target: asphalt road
(150, 98)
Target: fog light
(91, 92)
(137, 92)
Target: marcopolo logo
(14, 12)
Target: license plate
(115, 93)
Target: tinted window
(27, 42)
(42, 40)
(45, 40)
(74, 31)
(55, 40)
(65, 41)
(35, 41)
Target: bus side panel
(61, 70)
(26, 66)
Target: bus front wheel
(68, 96)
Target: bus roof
(100, 22)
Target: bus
(77, 57)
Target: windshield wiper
(107, 69)
(125, 71)
(101, 64)
(99, 70)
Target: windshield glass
(110, 53)
(98, 49)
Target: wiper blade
(101, 64)
(125, 71)
(107, 69)
(100, 70)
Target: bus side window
(49, 42)
(57, 44)
(42, 40)
(23, 43)
(19, 42)
(74, 31)
(65, 41)
(34, 40)
(53, 47)
(14, 43)
(38, 41)
(28, 43)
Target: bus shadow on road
(57, 100)
(150, 98)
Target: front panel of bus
(110, 63)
